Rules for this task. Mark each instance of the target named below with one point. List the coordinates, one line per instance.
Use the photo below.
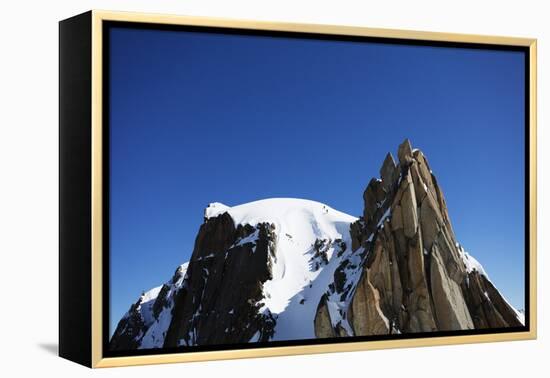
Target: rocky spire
(413, 274)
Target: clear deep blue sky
(198, 118)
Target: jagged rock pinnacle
(404, 153)
(413, 273)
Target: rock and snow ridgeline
(144, 325)
(283, 269)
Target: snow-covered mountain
(283, 269)
(311, 240)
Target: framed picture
(235, 189)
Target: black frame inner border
(107, 25)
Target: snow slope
(154, 337)
(299, 279)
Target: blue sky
(199, 118)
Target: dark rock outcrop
(130, 329)
(319, 257)
(217, 300)
(221, 301)
(488, 308)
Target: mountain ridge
(284, 269)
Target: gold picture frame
(93, 25)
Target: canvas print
(269, 189)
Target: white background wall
(29, 174)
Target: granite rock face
(411, 274)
